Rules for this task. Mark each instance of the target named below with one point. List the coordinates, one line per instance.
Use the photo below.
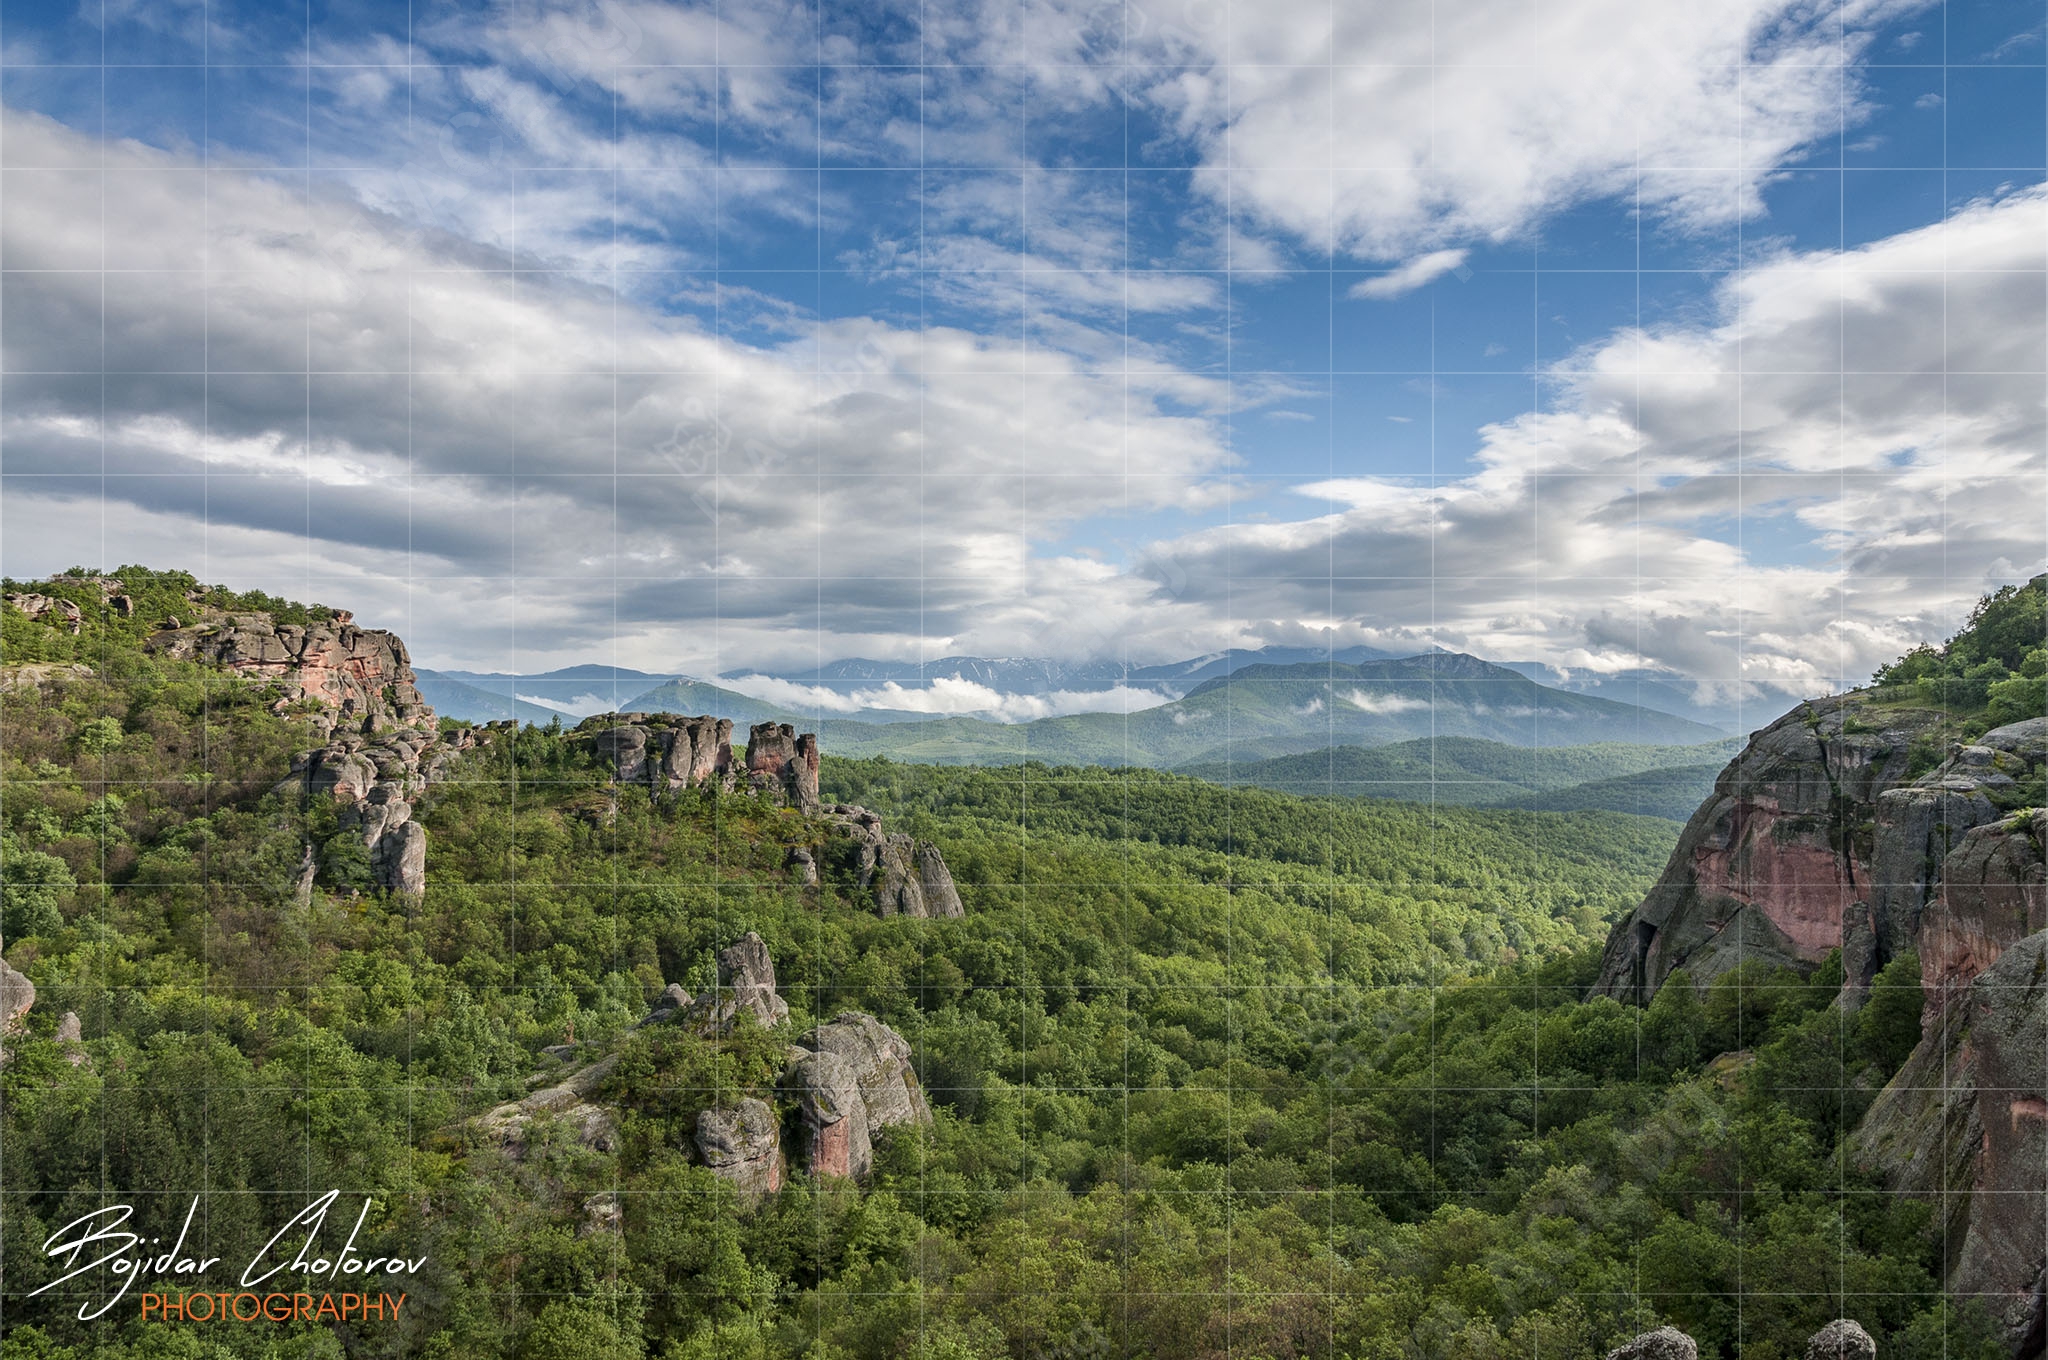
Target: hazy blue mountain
(482, 700)
(1041, 675)
(1650, 689)
(575, 690)
(1467, 770)
(1262, 711)
(1675, 792)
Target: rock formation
(1666, 1343)
(29, 677)
(849, 1078)
(660, 750)
(783, 765)
(907, 877)
(374, 781)
(1842, 1339)
(39, 606)
(746, 982)
(1965, 1124)
(361, 678)
(17, 994)
(1814, 839)
(510, 1124)
(741, 1144)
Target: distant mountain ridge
(1040, 675)
(1649, 780)
(1242, 705)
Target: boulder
(849, 1078)
(741, 1144)
(1842, 1339)
(746, 982)
(673, 1000)
(1666, 1343)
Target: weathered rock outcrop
(30, 677)
(783, 764)
(741, 1144)
(361, 678)
(849, 1078)
(1842, 1339)
(1965, 1124)
(1666, 1343)
(661, 750)
(374, 782)
(1815, 840)
(1991, 897)
(746, 982)
(17, 995)
(510, 1124)
(39, 606)
(906, 876)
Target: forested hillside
(1213, 1072)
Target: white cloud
(857, 475)
(1381, 130)
(1381, 705)
(946, 696)
(1417, 273)
(1871, 422)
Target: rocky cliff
(666, 753)
(358, 678)
(1816, 838)
(17, 994)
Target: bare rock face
(907, 877)
(1993, 893)
(1842, 1339)
(362, 678)
(851, 1077)
(783, 764)
(746, 982)
(661, 750)
(17, 994)
(741, 1144)
(1965, 1124)
(1774, 864)
(1666, 1343)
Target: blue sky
(709, 337)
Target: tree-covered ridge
(1994, 671)
(1465, 769)
(1215, 1071)
(152, 597)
